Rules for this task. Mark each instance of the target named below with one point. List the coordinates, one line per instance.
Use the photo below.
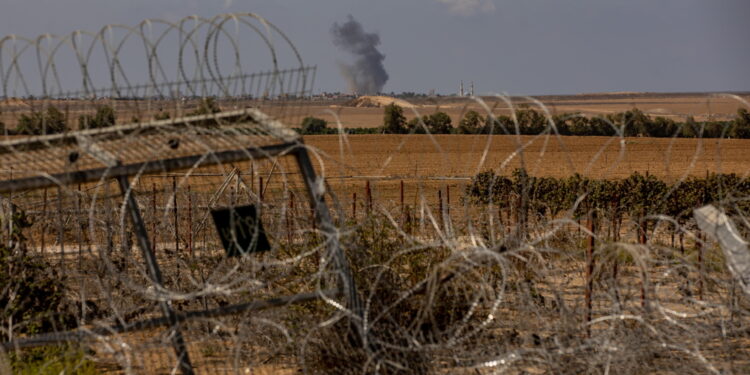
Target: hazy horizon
(543, 47)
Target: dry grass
(526, 294)
(597, 157)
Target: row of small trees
(53, 121)
(639, 196)
(631, 123)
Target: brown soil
(417, 156)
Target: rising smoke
(367, 74)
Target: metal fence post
(323, 218)
(178, 341)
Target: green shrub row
(639, 196)
(52, 121)
(633, 123)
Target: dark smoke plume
(367, 75)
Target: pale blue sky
(514, 46)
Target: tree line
(53, 121)
(527, 121)
(632, 123)
(639, 197)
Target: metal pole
(325, 222)
(155, 274)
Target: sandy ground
(464, 155)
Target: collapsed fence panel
(114, 222)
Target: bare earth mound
(377, 102)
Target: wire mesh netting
(523, 252)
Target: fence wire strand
(511, 267)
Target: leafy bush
(639, 196)
(411, 295)
(314, 125)
(52, 360)
(394, 121)
(207, 106)
(162, 115)
(471, 123)
(633, 123)
(105, 117)
(50, 121)
(32, 292)
(436, 123)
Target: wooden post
(448, 200)
(260, 188)
(644, 229)
(176, 221)
(79, 231)
(312, 217)
(289, 219)
(699, 248)
(154, 238)
(644, 304)
(252, 176)
(682, 242)
(237, 184)
(108, 219)
(354, 205)
(368, 196)
(190, 223)
(614, 277)
(79, 235)
(44, 220)
(448, 206)
(590, 270)
(440, 207)
(671, 243)
(60, 225)
(401, 200)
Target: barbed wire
(507, 268)
(194, 56)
